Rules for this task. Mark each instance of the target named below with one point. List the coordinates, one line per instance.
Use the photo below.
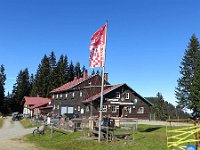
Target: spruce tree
(41, 84)
(2, 84)
(98, 72)
(77, 70)
(52, 60)
(35, 82)
(44, 78)
(53, 74)
(71, 72)
(60, 73)
(195, 89)
(64, 69)
(83, 70)
(93, 72)
(187, 69)
(162, 107)
(22, 88)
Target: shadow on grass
(150, 129)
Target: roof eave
(52, 92)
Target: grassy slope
(1, 122)
(146, 138)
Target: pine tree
(53, 75)
(52, 60)
(65, 69)
(22, 88)
(97, 72)
(83, 70)
(195, 89)
(60, 73)
(188, 66)
(71, 72)
(77, 70)
(35, 82)
(44, 77)
(2, 84)
(93, 72)
(31, 81)
(161, 106)
(41, 84)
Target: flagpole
(102, 86)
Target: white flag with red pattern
(97, 47)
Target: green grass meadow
(29, 123)
(1, 122)
(145, 138)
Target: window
(87, 108)
(82, 111)
(70, 110)
(79, 108)
(66, 110)
(81, 94)
(140, 110)
(60, 95)
(73, 94)
(66, 95)
(104, 108)
(117, 95)
(127, 96)
(63, 110)
(53, 96)
(57, 96)
(89, 83)
(114, 109)
(128, 108)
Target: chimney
(106, 76)
(75, 78)
(85, 74)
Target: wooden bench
(96, 133)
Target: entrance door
(121, 111)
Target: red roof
(70, 84)
(104, 92)
(36, 101)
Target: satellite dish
(134, 101)
(122, 99)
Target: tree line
(50, 74)
(163, 110)
(187, 91)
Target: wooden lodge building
(82, 97)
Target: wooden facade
(35, 105)
(82, 96)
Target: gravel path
(11, 136)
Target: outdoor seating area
(110, 127)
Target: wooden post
(51, 130)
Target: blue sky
(145, 43)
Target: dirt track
(11, 135)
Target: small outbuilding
(36, 105)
